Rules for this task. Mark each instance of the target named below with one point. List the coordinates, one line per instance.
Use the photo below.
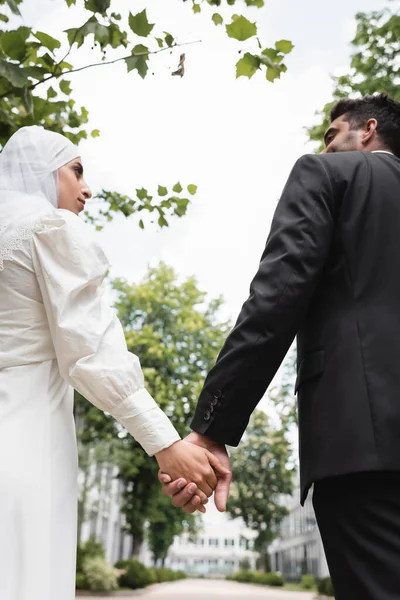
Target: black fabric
(330, 274)
(359, 519)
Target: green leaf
(160, 42)
(177, 188)
(47, 41)
(241, 29)
(13, 43)
(273, 73)
(28, 101)
(95, 133)
(192, 189)
(169, 39)
(4, 18)
(140, 24)
(65, 87)
(116, 16)
(258, 3)
(247, 66)
(138, 62)
(162, 221)
(162, 191)
(13, 7)
(231, 2)
(272, 54)
(217, 19)
(100, 6)
(141, 224)
(284, 46)
(70, 2)
(142, 194)
(13, 73)
(51, 93)
(196, 8)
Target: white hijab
(30, 161)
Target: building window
(213, 542)
(229, 543)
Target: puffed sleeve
(88, 337)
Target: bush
(81, 582)
(308, 582)
(325, 587)
(90, 549)
(136, 574)
(86, 551)
(100, 576)
(271, 579)
(245, 565)
(162, 574)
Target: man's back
(349, 342)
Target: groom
(330, 274)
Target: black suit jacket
(330, 273)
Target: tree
(35, 79)
(177, 336)
(260, 478)
(374, 65)
(282, 396)
(165, 523)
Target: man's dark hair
(380, 107)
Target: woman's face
(73, 191)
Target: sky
(236, 139)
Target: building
(103, 517)
(218, 549)
(298, 550)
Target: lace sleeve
(14, 240)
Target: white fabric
(30, 160)
(57, 330)
(382, 152)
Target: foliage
(308, 582)
(270, 579)
(260, 478)
(282, 396)
(161, 574)
(325, 587)
(245, 565)
(91, 549)
(100, 576)
(31, 60)
(136, 574)
(164, 525)
(374, 63)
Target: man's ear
(369, 131)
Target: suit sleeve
(294, 256)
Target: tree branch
(100, 64)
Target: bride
(58, 332)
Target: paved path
(203, 589)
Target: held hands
(185, 461)
(190, 496)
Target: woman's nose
(86, 191)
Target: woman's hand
(184, 460)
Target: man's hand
(187, 497)
(191, 462)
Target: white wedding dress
(57, 330)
